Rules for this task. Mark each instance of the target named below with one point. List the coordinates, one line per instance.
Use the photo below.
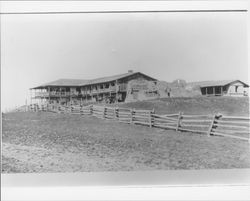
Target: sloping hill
(195, 105)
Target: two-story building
(107, 89)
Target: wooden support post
(49, 93)
(178, 121)
(214, 91)
(116, 91)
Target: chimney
(130, 71)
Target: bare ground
(48, 142)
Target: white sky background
(36, 49)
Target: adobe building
(126, 87)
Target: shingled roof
(215, 83)
(81, 82)
(63, 82)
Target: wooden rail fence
(218, 124)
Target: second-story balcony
(111, 89)
(104, 90)
(56, 94)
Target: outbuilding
(223, 88)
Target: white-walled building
(223, 88)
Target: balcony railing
(104, 90)
(56, 94)
(121, 87)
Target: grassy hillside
(196, 105)
(50, 142)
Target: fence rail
(227, 126)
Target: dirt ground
(49, 142)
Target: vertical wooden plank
(132, 111)
(215, 123)
(150, 119)
(104, 112)
(114, 115)
(210, 129)
(91, 109)
(117, 113)
(71, 107)
(178, 121)
(81, 108)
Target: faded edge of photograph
(124, 91)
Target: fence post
(104, 112)
(217, 117)
(152, 118)
(179, 121)
(132, 111)
(71, 107)
(91, 109)
(81, 108)
(211, 126)
(114, 113)
(117, 113)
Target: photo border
(172, 178)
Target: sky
(36, 49)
